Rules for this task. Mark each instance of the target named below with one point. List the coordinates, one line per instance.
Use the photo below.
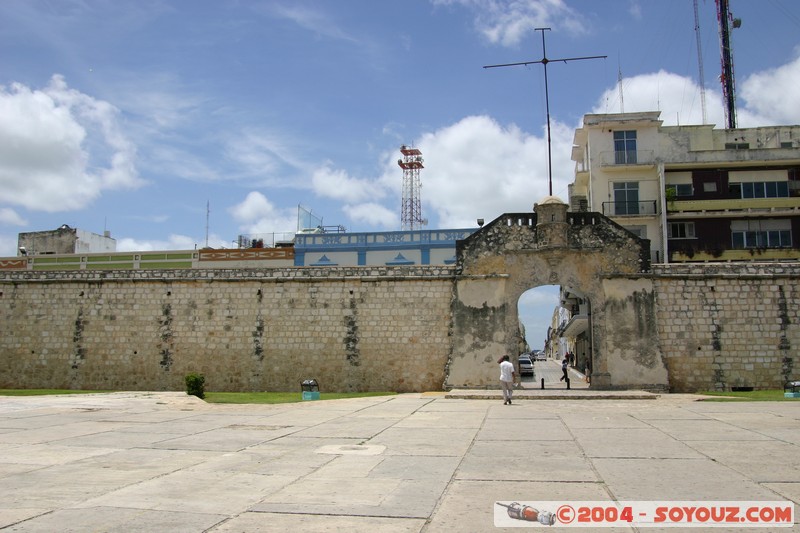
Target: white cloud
(8, 246)
(337, 184)
(547, 296)
(173, 242)
(771, 94)
(477, 168)
(677, 97)
(762, 98)
(509, 21)
(59, 148)
(374, 215)
(315, 21)
(11, 217)
(257, 215)
(265, 156)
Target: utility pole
(544, 61)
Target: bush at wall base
(195, 385)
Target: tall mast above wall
(725, 20)
(411, 212)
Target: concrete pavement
(408, 463)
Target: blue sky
(134, 116)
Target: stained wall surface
(681, 328)
(729, 325)
(363, 329)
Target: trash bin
(310, 389)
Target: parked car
(538, 355)
(525, 366)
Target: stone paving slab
(409, 463)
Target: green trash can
(310, 389)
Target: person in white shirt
(507, 377)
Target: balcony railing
(629, 209)
(627, 158)
(736, 204)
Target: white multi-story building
(697, 193)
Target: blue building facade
(387, 248)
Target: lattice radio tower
(411, 212)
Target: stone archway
(554, 247)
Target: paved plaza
(141, 462)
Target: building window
(762, 239)
(709, 186)
(768, 189)
(683, 189)
(626, 198)
(639, 231)
(737, 146)
(681, 230)
(625, 147)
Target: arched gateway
(551, 246)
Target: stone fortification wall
(729, 325)
(352, 329)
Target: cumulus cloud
(339, 185)
(60, 148)
(677, 97)
(507, 22)
(478, 168)
(256, 214)
(766, 94)
(762, 98)
(374, 215)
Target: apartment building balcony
(752, 254)
(752, 157)
(734, 207)
(645, 208)
(627, 160)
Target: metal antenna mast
(728, 82)
(544, 61)
(700, 63)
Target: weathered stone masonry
(729, 325)
(702, 327)
(267, 329)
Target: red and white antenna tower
(411, 212)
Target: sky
(176, 124)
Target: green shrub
(195, 385)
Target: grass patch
(47, 392)
(282, 397)
(774, 395)
(213, 397)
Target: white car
(525, 366)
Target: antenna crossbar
(544, 61)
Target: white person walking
(507, 377)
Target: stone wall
(714, 326)
(352, 329)
(729, 325)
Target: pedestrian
(564, 366)
(588, 370)
(507, 377)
